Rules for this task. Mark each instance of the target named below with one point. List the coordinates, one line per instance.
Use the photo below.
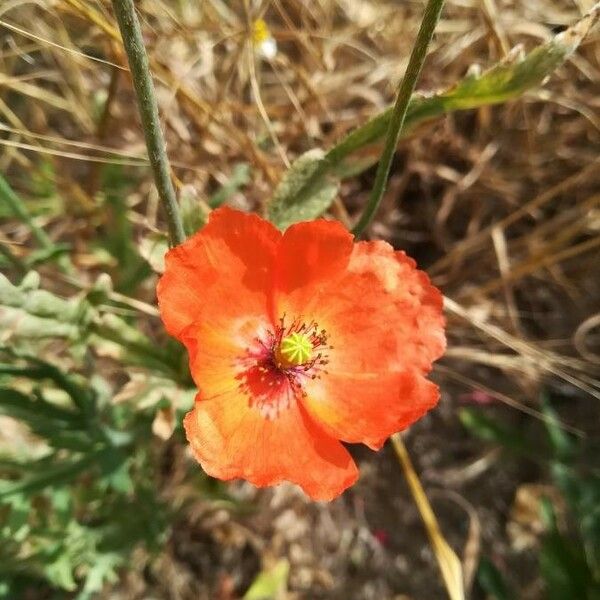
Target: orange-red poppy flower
(297, 341)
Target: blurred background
(99, 496)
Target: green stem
(148, 108)
(407, 86)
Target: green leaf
(36, 369)
(270, 584)
(17, 522)
(21, 406)
(17, 207)
(153, 248)
(239, 177)
(135, 347)
(561, 443)
(492, 581)
(101, 571)
(562, 562)
(491, 431)
(311, 195)
(192, 213)
(30, 313)
(61, 573)
(38, 257)
(59, 474)
(118, 235)
(304, 193)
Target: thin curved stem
(448, 562)
(148, 108)
(407, 86)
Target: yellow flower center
(294, 350)
(260, 32)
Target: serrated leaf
(103, 570)
(61, 573)
(294, 199)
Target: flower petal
(224, 269)
(309, 255)
(384, 323)
(418, 321)
(231, 439)
(378, 308)
(219, 349)
(368, 407)
(247, 423)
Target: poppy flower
(298, 342)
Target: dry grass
(502, 204)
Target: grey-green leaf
(308, 188)
(305, 192)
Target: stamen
(272, 373)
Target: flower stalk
(407, 87)
(148, 109)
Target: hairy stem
(407, 86)
(148, 108)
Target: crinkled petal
(418, 322)
(224, 270)
(232, 439)
(384, 323)
(368, 407)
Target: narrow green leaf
(492, 581)
(239, 177)
(60, 474)
(19, 210)
(562, 562)
(491, 431)
(21, 406)
(36, 369)
(561, 443)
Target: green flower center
(294, 350)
